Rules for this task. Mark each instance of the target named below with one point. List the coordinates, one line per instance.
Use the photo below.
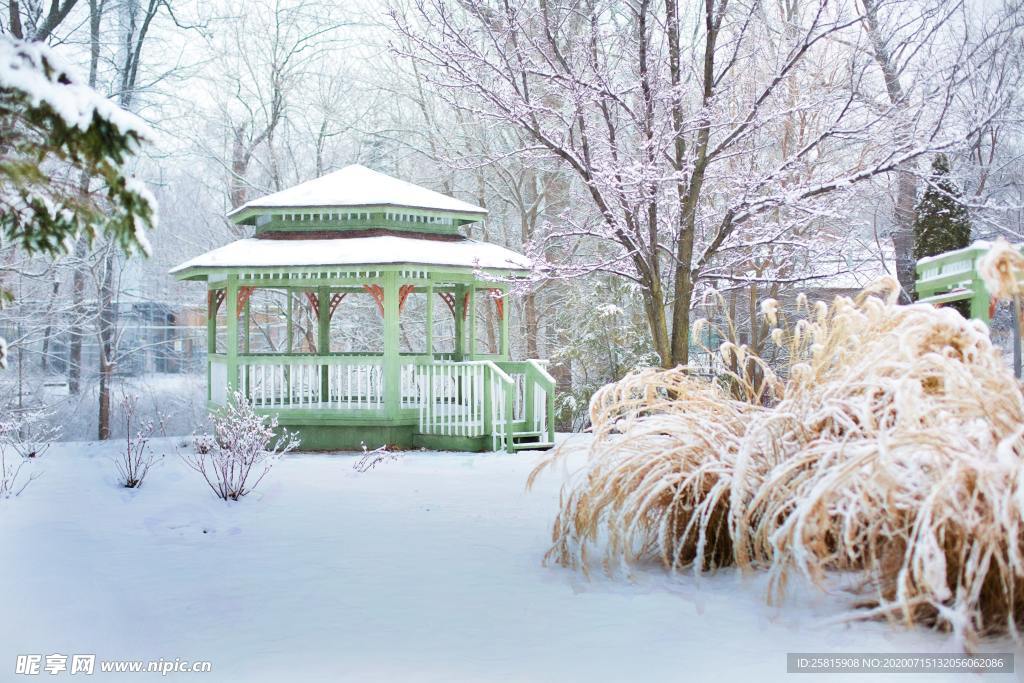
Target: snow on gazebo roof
(255, 252)
(356, 186)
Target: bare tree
(36, 20)
(667, 133)
(267, 52)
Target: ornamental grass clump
(658, 482)
(892, 448)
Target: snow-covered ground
(427, 568)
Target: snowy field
(427, 568)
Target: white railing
(409, 380)
(451, 398)
(357, 385)
(540, 410)
(519, 397)
(541, 402)
(501, 386)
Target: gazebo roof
(256, 252)
(355, 217)
(356, 186)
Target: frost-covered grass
(426, 568)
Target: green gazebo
(953, 276)
(360, 315)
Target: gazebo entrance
(381, 325)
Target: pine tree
(56, 136)
(942, 223)
(53, 132)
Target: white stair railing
(451, 398)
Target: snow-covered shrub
(371, 459)
(893, 446)
(243, 448)
(202, 443)
(136, 459)
(11, 464)
(24, 437)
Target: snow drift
(893, 448)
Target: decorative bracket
(314, 302)
(377, 292)
(214, 298)
(243, 298)
(336, 300)
(403, 293)
(449, 299)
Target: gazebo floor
(444, 405)
(325, 427)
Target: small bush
(23, 438)
(11, 463)
(202, 444)
(241, 451)
(371, 459)
(135, 461)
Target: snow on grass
(427, 568)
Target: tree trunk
(48, 331)
(77, 303)
(654, 308)
(903, 234)
(78, 277)
(906, 185)
(532, 325)
(239, 166)
(107, 321)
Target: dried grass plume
(892, 447)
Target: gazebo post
(231, 301)
(392, 370)
(430, 321)
(247, 313)
(460, 328)
(288, 322)
(211, 333)
(471, 332)
(323, 337)
(506, 313)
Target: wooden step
(533, 446)
(531, 441)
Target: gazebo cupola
(361, 315)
